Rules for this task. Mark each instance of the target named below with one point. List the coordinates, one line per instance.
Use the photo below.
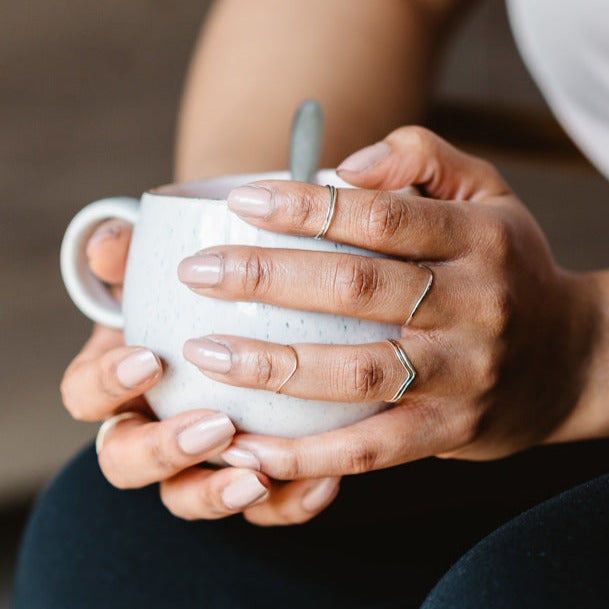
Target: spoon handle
(305, 140)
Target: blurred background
(88, 99)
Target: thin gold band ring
(292, 372)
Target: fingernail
(321, 494)
(201, 271)
(238, 457)
(254, 201)
(208, 355)
(206, 434)
(243, 491)
(110, 230)
(365, 158)
(139, 366)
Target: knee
(67, 536)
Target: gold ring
(330, 214)
(108, 424)
(423, 294)
(292, 372)
(411, 373)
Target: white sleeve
(565, 44)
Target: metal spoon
(305, 140)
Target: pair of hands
(493, 342)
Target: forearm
(589, 418)
(369, 64)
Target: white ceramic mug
(159, 312)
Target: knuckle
(360, 457)
(73, 400)
(487, 369)
(255, 273)
(499, 239)
(301, 207)
(169, 500)
(420, 139)
(361, 376)
(387, 217)
(500, 309)
(262, 368)
(286, 467)
(108, 382)
(160, 448)
(416, 135)
(423, 137)
(356, 282)
(110, 465)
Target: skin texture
(486, 252)
(229, 125)
(280, 50)
(501, 368)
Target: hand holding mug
(498, 342)
(108, 377)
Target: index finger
(388, 222)
(404, 433)
(107, 250)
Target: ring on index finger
(330, 213)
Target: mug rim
(188, 190)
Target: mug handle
(90, 294)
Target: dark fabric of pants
(390, 537)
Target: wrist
(587, 328)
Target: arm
(370, 64)
(589, 323)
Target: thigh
(90, 545)
(555, 555)
(384, 542)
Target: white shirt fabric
(565, 44)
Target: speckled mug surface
(161, 313)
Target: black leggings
(388, 541)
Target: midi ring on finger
(292, 372)
(108, 424)
(330, 214)
(411, 373)
(423, 293)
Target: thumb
(414, 156)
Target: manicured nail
(243, 491)
(139, 366)
(321, 494)
(206, 434)
(238, 457)
(208, 355)
(201, 271)
(365, 158)
(105, 231)
(253, 201)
